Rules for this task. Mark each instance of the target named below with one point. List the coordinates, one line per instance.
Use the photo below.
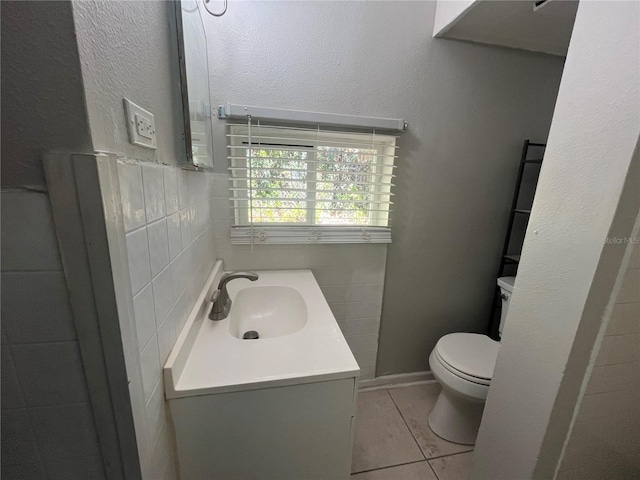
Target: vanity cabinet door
(292, 432)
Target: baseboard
(399, 380)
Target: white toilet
(463, 364)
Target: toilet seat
(470, 356)
(459, 374)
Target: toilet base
(455, 418)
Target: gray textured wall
(43, 105)
(128, 49)
(588, 191)
(469, 108)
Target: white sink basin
(272, 311)
(300, 341)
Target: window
(301, 185)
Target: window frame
(312, 140)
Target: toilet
(463, 364)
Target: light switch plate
(140, 124)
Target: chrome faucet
(220, 298)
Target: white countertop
(207, 358)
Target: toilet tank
(506, 289)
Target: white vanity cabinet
(293, 432)
(278, 407)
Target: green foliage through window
(337, 180)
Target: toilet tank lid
(507, 283)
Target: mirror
(194, 83)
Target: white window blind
(309, 185)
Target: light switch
(140, 124)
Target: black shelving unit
(532, 154)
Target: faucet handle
(214, 297)
(220, 298)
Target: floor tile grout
(415, 439)
(449, 455)
(408, 427)
(431, 468)
(424, 459)
(388, 467)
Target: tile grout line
(398, 464)
(449, 455)
(57, 270)
(51, 342)
(415, 440)
(406, 424)
(29, 413)
(432, 469)
(444, 456)
(388, 467)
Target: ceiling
(518, 24)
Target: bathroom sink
(298, 338)
(272, 311)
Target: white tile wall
(25, 296)
(605, 441)
(131, 196)
(158, 246)
(171, 250)
(150, 365)
(174, 235)
(54, 436)
(171, 247)
(28, 235)
(47, 423)
(350, 276)
(138, 253)
(154, 200)
(145, 317)
(50, 373)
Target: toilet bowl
(463, 364)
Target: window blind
(309, 185)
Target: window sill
(318, 234)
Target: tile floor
(393, 440)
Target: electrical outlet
(144, 127)
(140, 124)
